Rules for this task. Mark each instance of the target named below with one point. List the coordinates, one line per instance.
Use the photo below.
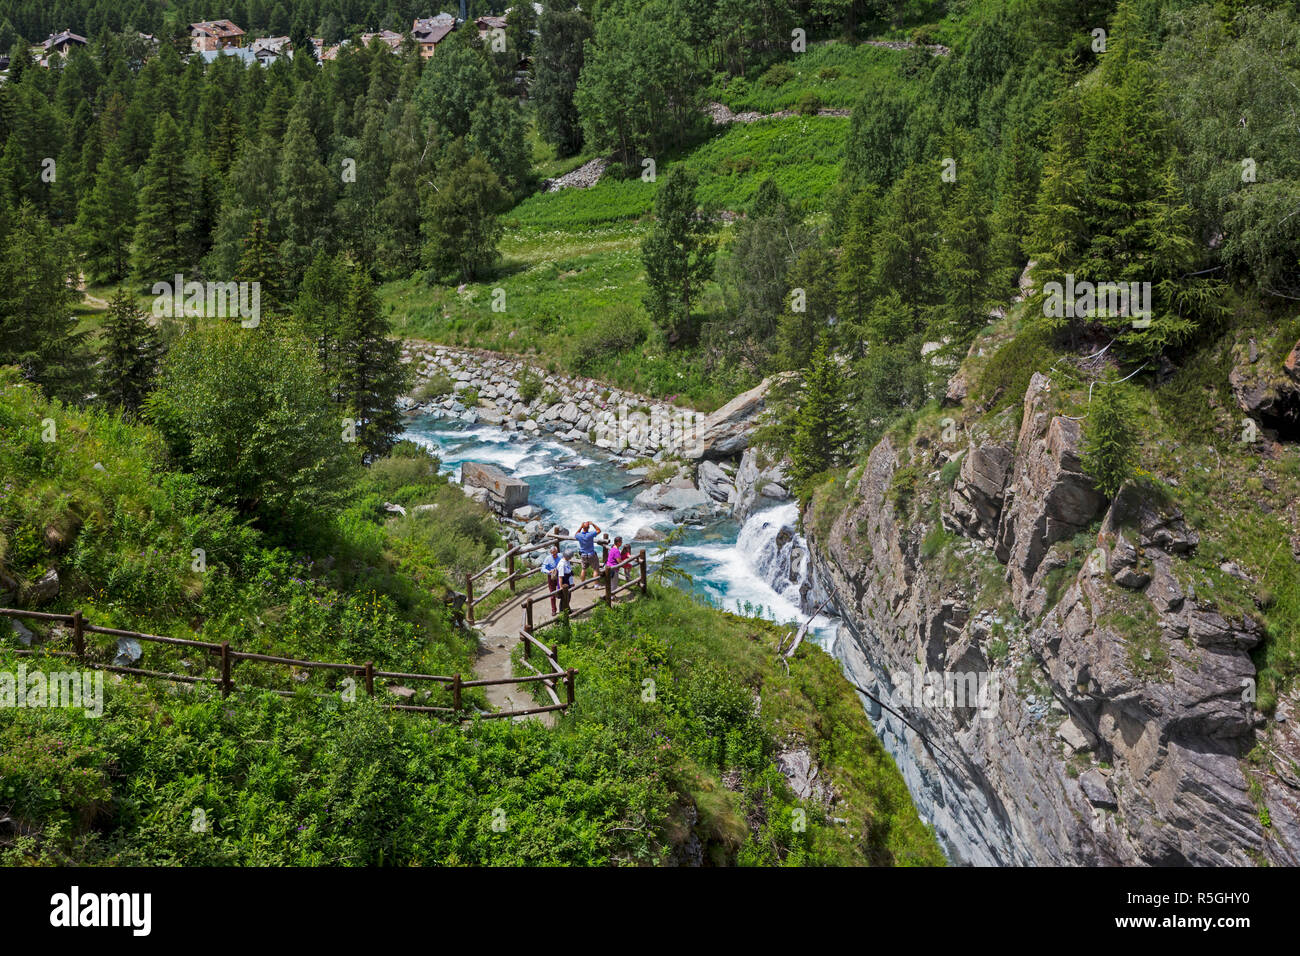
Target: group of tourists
(558, 565)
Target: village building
(61, 43)
(486, 25)
(390, 39)
(276, 46)
(430, 31)
(215, 35)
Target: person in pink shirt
(616, 555)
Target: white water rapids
(761, 567)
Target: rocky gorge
(1123, 722)
(1120, 726)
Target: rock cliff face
(1118, 724)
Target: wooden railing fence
(227, 657)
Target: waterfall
(771, 544)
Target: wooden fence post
(469, 599)
(528, 631)
(610, 575)
(511, 564)
(370, 678)
(568, 684)
(226, 682)
(78, 635)
(640, 559)
(455, 693)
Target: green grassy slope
(319, 779)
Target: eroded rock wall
(1118, 731)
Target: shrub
(778, 75)
(948, 473)
(1004, 378)
(250, 415)
(808, 104)
(611, 336)
(437, 386)
(530, 385)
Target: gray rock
(715, 483)
(23, 633)
(128, 652)
(1097, 789)
(726, 432)
(665, 498)
(975, 502)
(1128, 577)
(1077, 737)
(753, 483)
(45, 589)
(1050, 498)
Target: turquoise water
(751, 567)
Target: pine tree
(260, 263)
(399, 209)
(38, 331)
(303, 199)
(904, 247)
(1058, 228)
(855, 265)
(249, 194)
(797, 331)
(1018, 173)
(556, 69)
(461, 220)
(1110, 439)
(131, 353)
(817, 441)
(164, 206)
(677, 254)
(320, 309)
(753, 273)
(371, 374)
(520, 25)
(965, 269)
(1177, 302)
(497, 134)
(106, 221)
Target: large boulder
(683, 503)
(715, 482)
(755, 482)
(504, 494)
(45, 589)
(726, 432)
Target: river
(760, 567)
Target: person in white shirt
(565, 572)
(551, 567)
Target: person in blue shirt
(586, 538)
(552, 568)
